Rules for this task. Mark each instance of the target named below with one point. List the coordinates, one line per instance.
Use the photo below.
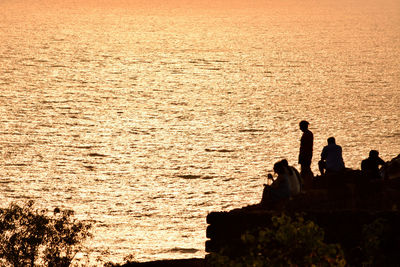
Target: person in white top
(293, 177)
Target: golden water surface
(143, 116)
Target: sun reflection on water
(143, 120)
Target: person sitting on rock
(331, 158)
(371, 165)
(279, 189)
(294, 178)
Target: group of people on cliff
(290, 182)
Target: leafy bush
(30, 237)
(286, 242)
(378, 245)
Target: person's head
(285, 163)
(279, 168)
(303, 125)
(331, 140)
(373, 154)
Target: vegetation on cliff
(286, 242)
(31, 237)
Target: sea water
(144, 116)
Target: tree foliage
(286, 242)
(375, 245)
(30, 237)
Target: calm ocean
(144, 117)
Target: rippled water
(143, 118)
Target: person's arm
(277, 182)
(324, 153)
(301, 152)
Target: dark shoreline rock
(342, 204)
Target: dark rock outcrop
(342, 204)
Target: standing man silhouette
(305, 155)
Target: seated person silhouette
(371, 165)
(331, 158)
(294, 178)
(279, 189)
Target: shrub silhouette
(286, 242)
(30, 237)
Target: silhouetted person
(295, 183)
(371, 165)
(279, 189)
(305, 155)
(331, 158)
